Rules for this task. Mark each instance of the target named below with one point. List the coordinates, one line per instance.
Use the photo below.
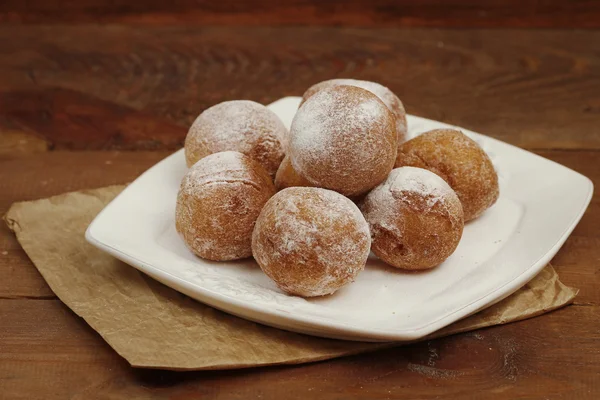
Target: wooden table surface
(89, 104)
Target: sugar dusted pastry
(239, 125)
(218, 203)
(460, 162)
(416, 219)
(311, 241)
(386, 95)
(343, 138)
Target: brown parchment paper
(153, 326)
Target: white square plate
(540, 203)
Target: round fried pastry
(238, 125)
(386, 95)
(460, 162)
(416, 219)
(218, 203)
(287, 177)
(310, 241)
(343, 138)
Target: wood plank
(123, 87)
(577, 263)
(47, 174)
(20, 278)
(46, 351)
(375, 13)
(73, 120)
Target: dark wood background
(372, 13)
(94, 92)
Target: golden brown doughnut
(218, 202)
(460, 162)
(310, 241)
(416, 219)
(343, 138)
(287, 177)
(386, 95)
(239, 125)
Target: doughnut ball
(287, 177)
(416, 219)
(218, 202)
(239, 125)
(311, 241)
(386, 95)
(343, 138)
(459, 161)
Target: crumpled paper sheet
(153, 326)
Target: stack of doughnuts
(310, 204)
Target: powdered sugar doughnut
(386, 95)
(311, 241)
(459, 161)
(287, 177)
(218, 202)
(239, 125)
(343, 138)
(415, 217)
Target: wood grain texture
(118, 87)
(374, 13)
(47, 174)
(47, 350)
(79, 121)
(19, 279)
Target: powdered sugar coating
(239, 125)
(218, 202)
(343, 138)
(386, 95)
(460, 162)
(415, 217)
(311, 241)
